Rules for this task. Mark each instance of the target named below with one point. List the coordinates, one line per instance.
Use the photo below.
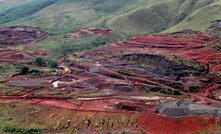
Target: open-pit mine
(155, 84)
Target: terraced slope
(184, 125)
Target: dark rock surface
(186, 108)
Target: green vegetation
(19, 11)
(8, 69)
(125, 72)
(10, 106)
(193, 64)
(124, 132)
(168, 16)
(216, 47)
(39, 61)
(174, 84)
(52, 64)
(162, 90)
(35, 72)
(116, 76)
(58, 46)
(218, 74)
(193, 88)
(128, 16)
(24, 70)
(13, 129)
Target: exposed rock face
(94, 70)
(159, 64)
(185, 108)
(127, 106)
(19, 35)
(216, 25)
(124, 88)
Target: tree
(24, 70)
(39, 61)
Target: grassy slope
(23, 9)
(72, 14)
(128, 16)
(199, 19)
(163, 15)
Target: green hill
(168, 14)
(128, 16)
(63, 14)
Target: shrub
(207, 39)
(11, 106)
(35, 72)
(13, 129)
(174, 84)
(178, 84)
(24, 70)
(39, 61)
(162, 90)
(53, 64)
(146, 90)
(166, 91)
(193, 88)
(215, 74)
(116, 76)
(155, 89)
(140, 131)
(125, 72)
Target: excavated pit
(19, 35)
(160, 65)
(186, 108)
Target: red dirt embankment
(19, 35)
(196, 47)
(14, 36)
(157, 124)
(193, 46)
(13, 56)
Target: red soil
(93, 104)
(12, 36)
(92, 31)
(185, 47)
(192, 47)
(61, 60)
(19, 35)
(157, 124)
(14, 56)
